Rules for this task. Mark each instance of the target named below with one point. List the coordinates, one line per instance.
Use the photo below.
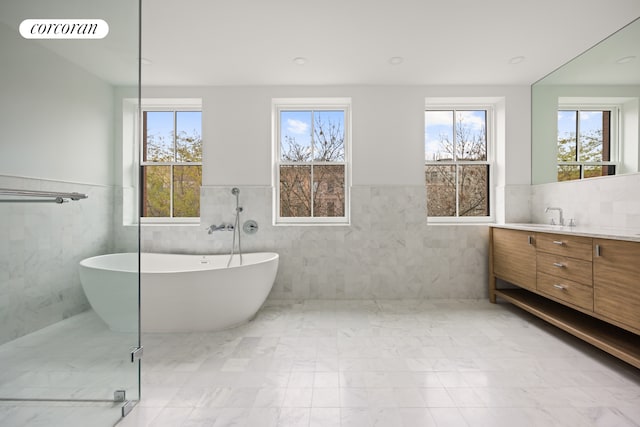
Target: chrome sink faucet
(560, 218)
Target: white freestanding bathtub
(178, 293)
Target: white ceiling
(254, 42)
(113, 58)
(604, 64)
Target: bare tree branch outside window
(456, 166)
(312, 164)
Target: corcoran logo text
(64, 29)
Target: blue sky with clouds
(160, 125)
(589, 121)
(441, 123)
(298, 125)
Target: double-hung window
(311, 161)
(587, 140)
(458, 162)
(171, 166)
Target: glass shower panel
(62, 200)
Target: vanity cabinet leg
(492, 288)
(492, 277)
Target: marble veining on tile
(400, 363)
(388, 251)
(599, 202)
(40, 247)
(78, 358)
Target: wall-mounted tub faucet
(221, 227)
(560, 217)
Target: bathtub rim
(90, 262)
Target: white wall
(57, 124)
(387, 130)
(388, 251)
(57, 119)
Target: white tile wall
(513, 204)
(602, 202)
(40, 247)
(125, 227)
(388, 251)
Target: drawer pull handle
(559, 264)
(530, 239)
(558, 242)
(561, 287)
(598, 251)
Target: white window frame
(491, 159)
(168, 105)
(310, 104)
(614, 127)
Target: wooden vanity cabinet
(587, 286)
(577, 247)
(616, 281)
(564, 269)
(514, 257)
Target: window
(311, 157)
(457, 162)
(586, 141)
(171, 164)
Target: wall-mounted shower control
(250, 227)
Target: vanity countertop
(632, 235)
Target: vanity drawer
(561, 244)
(567, 268)
(566, 290)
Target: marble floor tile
(398, 363)
(72, 365)
(343, 364)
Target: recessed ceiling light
(516, 60)
(396, 60)
(299, 60)
(626, 59)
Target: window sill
(170, 222)
(312, 224)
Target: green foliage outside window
(584, 140)
(172, 164)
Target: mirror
(605, 77)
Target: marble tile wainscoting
(388, 251)
(513, 204)
(40, 247)
(603, 202)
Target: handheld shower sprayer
(236, 228)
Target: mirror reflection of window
(586, 143)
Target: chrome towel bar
(39, 196)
